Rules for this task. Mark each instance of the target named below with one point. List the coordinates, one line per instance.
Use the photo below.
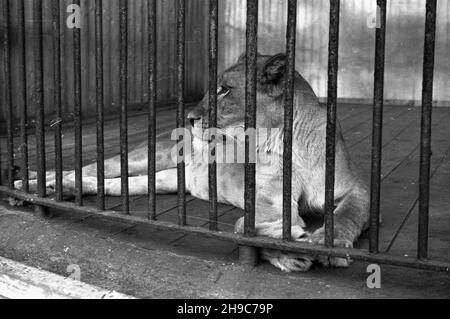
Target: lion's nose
(193, 119)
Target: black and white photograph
(220, 157)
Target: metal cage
(248, 241)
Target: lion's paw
(318, 238)
(18, 184)
(15, 202)
(288, 263)
(51, 187)
(336, 262)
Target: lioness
(308, 176)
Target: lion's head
(231, 96)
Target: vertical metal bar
(4, 27)
(333, 48)
(152, 76)
(24, 106)
(248, 255)
(8, 101)
(181, 20)
(123, 105)
(57, 124)
(100, 104)
(1, 175)
(38, 100)
(3, 62)
(78, 114)
(377, 129)
(212, 168)
(288, 117)
(250, 115)
(425, 133)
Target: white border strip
(18, 281)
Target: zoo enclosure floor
(399, 191)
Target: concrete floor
(145, 265)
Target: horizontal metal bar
(261, 242)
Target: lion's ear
(274, 68)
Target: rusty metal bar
(100, 104)
(377, 128)
(8, 100)
(248, 254)
(262, 242)
(77, 114)
(250, 115)
(1, 174)
(213, 60)
(289, 117)
(425, 132)
(38, 101)
(333, 48)
(24, 106)
(181, 23)
(57, 123)
(123, 70)
(152, 93)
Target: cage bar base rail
(243, 241)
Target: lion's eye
(223, 91)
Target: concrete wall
(404, 46)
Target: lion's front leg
(285, 261)
(269, 223)
(166, 183)
(137, 165)
(350, 219)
